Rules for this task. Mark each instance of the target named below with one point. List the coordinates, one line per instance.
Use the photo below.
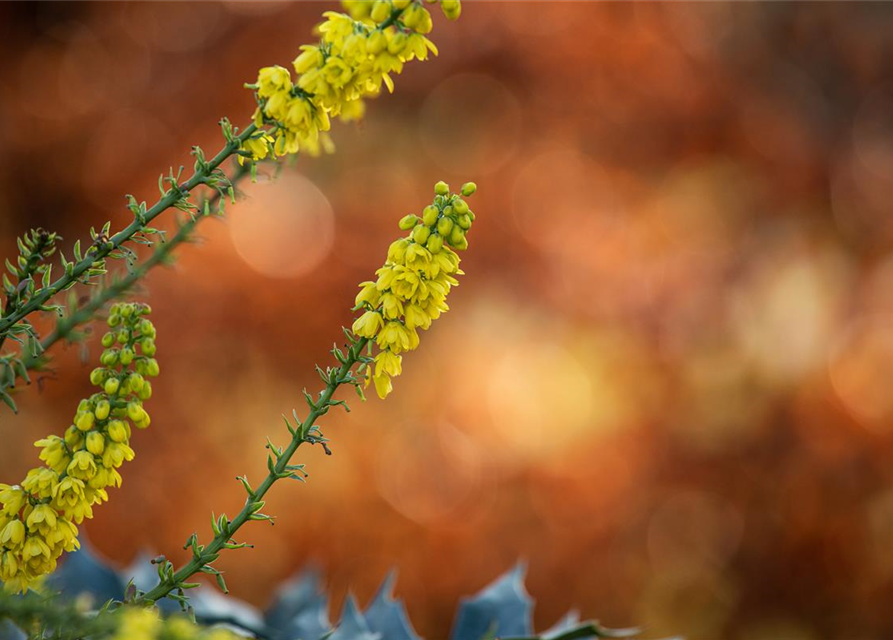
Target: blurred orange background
(665, 380)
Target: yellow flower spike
(412, 286)
(38, 520)
(357, 53)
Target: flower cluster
(38, 519)
(356, 55)
(147, 624)
(413, 284)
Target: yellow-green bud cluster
(355, 57)
(138, 623)
(413, 284)
(38, 519)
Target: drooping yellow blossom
(38, 518)
(356, 55)
(413, 284)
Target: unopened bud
(420, 234)
(95, 443)
(407, 222)
(429, 215)
(102, 410)
(435, 243)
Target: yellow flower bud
(114, 319)
(145, 391)
(460, 206)
(111, 386)
(85, 421)
(126, 356)
(377, 42)
(381, 10)
(444, 226)
(95, 443)
(119, 431)
(152, 367)
(73, 437)
(464, 221)
(435, 243)
(109, 357)
(108, 339)
(429, 215)
(456, 236)
(135, 410)
(126, 310)
(136, 382)
(97, 376)
(123, 336)
(420, 234)
(148, 347)
(397, 43)
(102, 410)
(147, 329)
(407, 222)
(452, 9)
(401, 4)
(441, 188)
(469, 187)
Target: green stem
(165, 202)
(65, 326)
(26, 272)
(300, 435)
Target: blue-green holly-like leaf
(503, 608)
(299, 609)
(387, 616)
(353, 626)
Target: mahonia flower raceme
(413, 284)
(38, 518)
(356, 55)
(136, 623)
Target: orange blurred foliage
(665, 378)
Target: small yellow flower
(82, 466)
(13, 533)
(368, 324)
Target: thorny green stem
(65, 326)
(300, 436)
(168, 200)
(27, 272)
